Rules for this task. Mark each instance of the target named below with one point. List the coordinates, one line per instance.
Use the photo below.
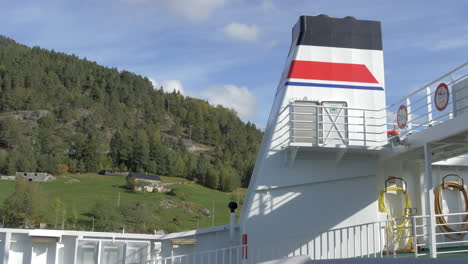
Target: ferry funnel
(335, 59)
(328, 111)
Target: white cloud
(272, 43)
(238, 98)
(168, 85)
(446, 40)
(192, 10)
(268, 5)
(243, 32)
(135, 1)
(450, 43)
(154, 82)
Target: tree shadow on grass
(90, 215)
(125, 188)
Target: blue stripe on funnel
(358, 87)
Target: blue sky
(232, 52)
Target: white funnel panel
(338, 63)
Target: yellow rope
(402, 227)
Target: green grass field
(82, 196)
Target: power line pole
(190, 134)
(118, 201)
(212, 219)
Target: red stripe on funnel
(328, 71)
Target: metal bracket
(395, 178)
(453, 175)
(340, 155)
(411, 211)
(290, 156)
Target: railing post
(348, 244)
(367, 240)
(317, 132)
(387, 237)
(452, 79)
(394, 233)
(429, 105)
(99, 252)
(334, 244)
(374, 246)
(360, 242)
(341, 243)
(6, 249)
(364, 127)
(410, 117)
(430, 197)
(381, 244)
(321, 246)
(354, 240)
(415, 237)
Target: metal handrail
(338, 107)
(370, 124)
(377, 238)
(427, 85)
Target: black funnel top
(345, 32)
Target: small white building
(35, 176)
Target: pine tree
(212, 179)
(181, 168)
(140, 154)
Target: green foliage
(131, 183)
(140, 154)
(120, 150)
(94, 118)
(57, 208)
(141, 214)
(75, 216)
(229, 180)
(21, 159)
(10, 132)
(107, 216)
(3, 158)
(212, 179)
(26, 206)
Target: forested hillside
(60, 113)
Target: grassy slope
(6, 189)
(91, 187)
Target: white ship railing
(379, 239)
(422, 111)
(229, 255)
(319, 125)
